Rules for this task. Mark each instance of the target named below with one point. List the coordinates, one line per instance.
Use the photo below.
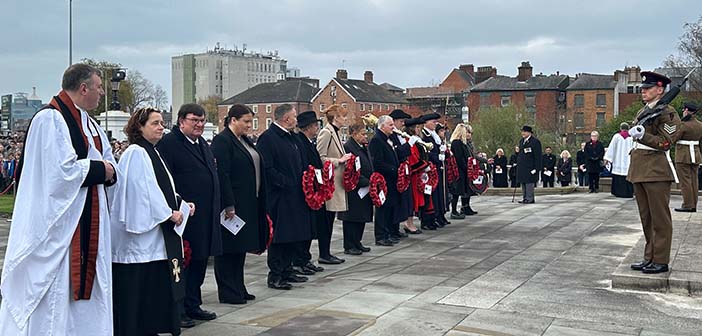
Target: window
(629, 89)
(370, 107)
(600, 119)
(506, 100)
(321, 107)
(579, 100)
(485, 99)
(362, 107)
(344, 106)
(387, 107)
(255, 123)
(530, 100)
(579, 120)
(268, 108)
(269, 121)
(601, 100)
(255, 109)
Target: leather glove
(637, 132)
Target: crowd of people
(131, 226)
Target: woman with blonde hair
(462, 149)
(564, 166)
(331, 148)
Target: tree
(689, 53)
(628, 116)
(160, 100)
(210, 105)
(497, 127)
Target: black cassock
(499, 172)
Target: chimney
(469, 68)
(525, 72)
(368, 77)
(342, 74)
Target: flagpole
(70, 32)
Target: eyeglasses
(196, 120)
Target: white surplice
(36, 289)
(618, 154)
(138, 207)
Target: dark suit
(548, 163)
(385, 162)
(439, 194)
(286, 204)
(582, 176)
(195, 176)
(237, 173)
(594, 154)
(529, 165)
(360, 209)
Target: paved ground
(542, 269)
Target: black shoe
(353, 251)
(363, 248)
(456, 215)
(301, 270)
(640, 265)
(654, 268)
(401, 234)
(314, 267)
(296, 278)
(394, 240)
(280, 284)
(522, 201)
(234, 301)
(202, 315)
(383, 242)
(428, 227)
(468, 212)
(329, 261)
(248, 296)
(591, 192)
(473, 211)
(186, 321)
(338, 259)
(439, 224)
(417, 231)
(685, 209)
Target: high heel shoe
(408, 231)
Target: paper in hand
(234, 224)
(185, 209)
(362, 192)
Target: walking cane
(514, 193)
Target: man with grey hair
(57, 277)
(291, 217)
(386, 163)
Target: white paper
(381, 196)
(584, 170)
(407, 170)
(442, 148)
(427, 189)
(478, 181)
(185, 209)
(442, 157)
(331, 170)
(234, 224)
(358, 163)
(318, 174)
(548, 173)
(362, 192)
(498, 170)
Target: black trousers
(301, 253)
(384, 217)
(229, 273)
(280, 257)
(324, 234)
(582, 179)
(454, 202)
(547, 182)
(425, 215)
(194, 277)
(594, 179)
(353, 234)
(465, 203)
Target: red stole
(83, 261)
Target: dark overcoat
(528, 160)
(195, 176)
(282, 162)
(310, 156)
(461, 153)
(385, 162)
(594, 154)
(235, 167)
(360, 209)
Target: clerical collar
(281, 127)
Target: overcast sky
(404, 42)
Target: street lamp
(465, 114)
(118, 75)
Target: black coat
(310, 156)
(548, 162)
(580, 159)
(565, 169)
(385, 162)
(513, 169)
(499, 180)
(360, 209)
(285, 200)
(196, 181)
(594, 154)
(528, 160)
(237, 181)
(461, 152)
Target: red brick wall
(260, 113)
(546, 104)
(590, 109)
(455, 82)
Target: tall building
(222, 72)
(18, 109)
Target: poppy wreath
(377, 184)
(403, 177)
(431, 179)
(314, 192)
(328, 178)
(187, 253)
(351, 175)
(473, 169)
(451, 169)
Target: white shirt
(281, 127)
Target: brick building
(592, 101)
(542, 97)
(359, 97)
(264, 98)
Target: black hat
(397, 114)
(430, 116)
(413, 122)
(691, 107)
(527, 128)
(439, 127)
(651, 79)
(306, 118)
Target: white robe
(36, 289)
(138, 207)
(618, 154)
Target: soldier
(688, 157)
(651, 171)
